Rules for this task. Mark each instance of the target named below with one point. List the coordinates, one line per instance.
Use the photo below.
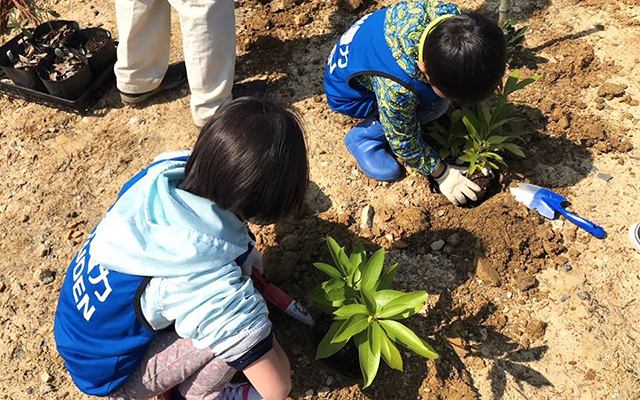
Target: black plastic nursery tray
(79, 106)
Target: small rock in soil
(44, 276)
(400, 245)
(46, 388)
(611, 90)
(525, 282)
(3, 287)
(437, 245)
(29, 390)
(302, 19)
(25, 218)
(582, 296)
(568, 267)
(96, 13)
(486, 272)
(46, 377)
(605, 177)
(309, 393)
(366, 218)
(323, 391)
(454, 240)
(564, 298)
(535, 329)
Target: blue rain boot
(367, 143)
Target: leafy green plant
(515, 40)
(366, 310)
(478, 136)
(19, 20)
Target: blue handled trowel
(547, 203)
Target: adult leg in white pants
(208, 28)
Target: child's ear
(423, 67)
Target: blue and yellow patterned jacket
(404, 24)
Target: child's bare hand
(254, 260)
(456, 187)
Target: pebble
(605, 177)
(44, 276)
(454, 240)
(46, 388)
(568, 267)
(25, 218)
(366, 218)
(564, 298)
(525, 282)
(323, 391)
(437, 245)
(486, 272)
(46, 377)
(29, 390)
(302, 19)
(400, 245)
(309, 393)
(96, 13)
(3, 287)
(582, 296)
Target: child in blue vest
(399, 68)
(159, 300)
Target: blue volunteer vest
(363, 50)
(99, 327)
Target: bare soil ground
(520, 307)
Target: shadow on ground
(288, 261)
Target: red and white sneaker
(239, 391)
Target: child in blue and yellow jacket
(399, 68)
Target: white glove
(254, 260)
(455, 186)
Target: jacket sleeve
(397, 106)
(219, 309)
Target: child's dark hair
(250, 158)
(465, 57)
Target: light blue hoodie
(188, 244)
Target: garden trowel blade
(526, 193)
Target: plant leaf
(515, 149)
(328, 269)
(387, 278)
(358, 256)
(369, 357)
(352, 326)
(405, 336)
(334, 249)
(383, 297)
(389, 351)
(410, 301)
(347, 267)
(471, 122)
(369, 301)
(372, 270)
(326, 348)
(347, 311)
(485, 113)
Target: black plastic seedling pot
(100, 59)
(23, 78)
(71, 88)
(46, 27)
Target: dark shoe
(257, 88)
(367, 143)
(175, 77)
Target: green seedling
(366, 310)
(479, 136)
(515, 40)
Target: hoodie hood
(157, 229)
